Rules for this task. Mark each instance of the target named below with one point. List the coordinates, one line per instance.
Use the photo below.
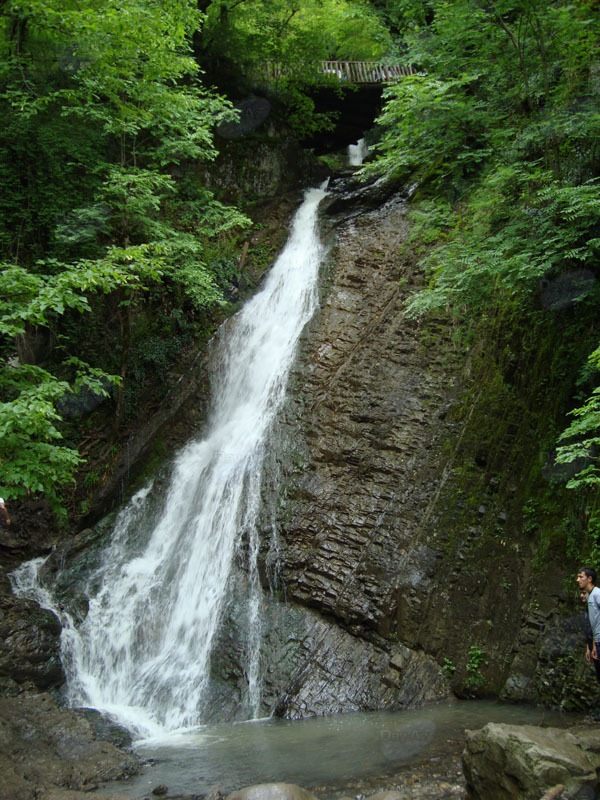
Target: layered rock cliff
(398, 475)
(404, 472)
(396, 487)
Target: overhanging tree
(101, 100)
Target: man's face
(582, 580)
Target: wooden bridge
(358, 72)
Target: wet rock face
(335, 672)
(312, 666)
(29, 645)
(43, 746)
(255, 169)
(372, 537)
(367, 406)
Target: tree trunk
(125, 320)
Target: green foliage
(282, 30)
(501, 130)
(301, 116)
(448, 668)
(593, 532)
(433, 124)
(476, 660)
(518, 227)
(584, 436)
(430, 222)
(33, 455)
(248, 33)
(30, 297)
(500, 82)
(101, 101)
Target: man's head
(583, 595)
(586, 578)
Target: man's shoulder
(594, 596)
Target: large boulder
(272, 791)
(522, 762)
(45, 748)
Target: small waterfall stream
(357, 153)
(142, 653)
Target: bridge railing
(362, 72)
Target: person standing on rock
(4, 510)
(586, 580)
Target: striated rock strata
(370, 402)
(376, 531)
(313, 666)
(351, 474)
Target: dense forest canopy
(294, 31)
(104, 104)
(239, 37)
(100, 101)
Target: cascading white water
(142, 652)
(357, 153)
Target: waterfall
(142, 653)
(357, 153)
